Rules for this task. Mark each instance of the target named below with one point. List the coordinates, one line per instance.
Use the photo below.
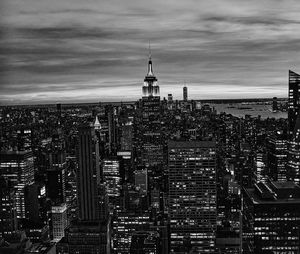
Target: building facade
(192, 196)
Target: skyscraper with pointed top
(150, 87)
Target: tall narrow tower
(88, 174)
(150, 87)
(185, 93)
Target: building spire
(149, 50)
(97, 124)
(150, 68)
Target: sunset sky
(95, 50)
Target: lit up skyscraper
(17, 167)
(294, 100)
(112, 179)
(277, 156)
(150, 87)
(192, 196)
(293, 157)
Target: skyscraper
(150, 87)
(185, 93)
(192, 196)
(88, 175)
(276, 145)
(91, 233)
(57, 169)
(293, 100)
(293, 154)
(8, 215)
(17, 167)
(271, 218)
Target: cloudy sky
(97, 50)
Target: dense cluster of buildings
(155, 176)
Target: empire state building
(150, 87)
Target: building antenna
(149, 50)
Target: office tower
(57, 169)
(112, 129)
(276, 146)
(271, 218)
(90, 234)
(124, 226)
(274, 104)
(24, 139)
(152, 148)
(260, 167)
(141, 180)
(170, 102)
(192, 196)
(112, 178)
(35, 199)
(88, 175)
(8, 213)
(126, 137)
(185, 93)
(59, 221)
(293, 100)
(17, 167)
(293, 157)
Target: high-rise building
(271, 218)
(277, 156)
(17, 167)
(293, 100)
(35, 200)
(59, 221)
(192, 196)
(8, 213)
(185, 93)
(274, 104)
(126, 137)
(91, 233)
(124, 226)
(88, 175)
(57, 169)
(293, 154)
(111, 177)
(150, 143)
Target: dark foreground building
(271, 218)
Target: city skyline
(70, 51)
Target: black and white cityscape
(142, 167)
